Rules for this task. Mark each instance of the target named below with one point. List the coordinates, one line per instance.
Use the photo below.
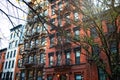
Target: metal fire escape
(32, 50)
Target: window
(78, 77)
(52, 40)
(35, 59)
(30, 59)
(42, 58)
(67, 57)
(11, 73)
(68, 19)
(14, 53)
(76, 16)
(49, 77)
(111, 28)
(9, 64)
(50, 59)
(22, 75)
(93, 32)
(59, 21)
(12, 63)
(113, 47)
(76, 33)
(53, 9)
(19, 63)
(95, 50)
(53, 22)
(58, 38)
(68, 36)
(60, 5)
(101, 74)
(6, 65)
(11, 54)
(31, 44)
(77, 55)
(58, 59)
(14, 35)
(16, 43)
(39, 77)
(37, 42)
(33, 31)
(30, 75)
(11, 35)
(43, 41)
(10, 45)
(38, 29)
(26, 45)
(8, 55)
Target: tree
(94, 15)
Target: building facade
(10, 65)
(2, 59)
(48, 52)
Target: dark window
(50, 77)
(9, 64)
(12, 63)
(11, 73)
(39, 77)
(94, 32)
(22, 75)
(63, 77)
(60, 5)
(59, 21)
(101, 74)
(111, 28)
(35, 59)
(14, 53)
(53, 23)
(6, 65)
(8, 55)
(14, 35)
(53, 9)
(30, 75)
(30, 59)
(16, 43)
(78, 77)
(95, 50)
(11, 35)
(113, 47)
(10, 45)
(68, 37)
(43, 41)
(11, 54)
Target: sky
(5, 24)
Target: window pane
(78, 77)
(77, 53)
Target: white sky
(5, 24)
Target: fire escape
(62, 65)
(32, 50)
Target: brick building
(2, 59)
(48, 52)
